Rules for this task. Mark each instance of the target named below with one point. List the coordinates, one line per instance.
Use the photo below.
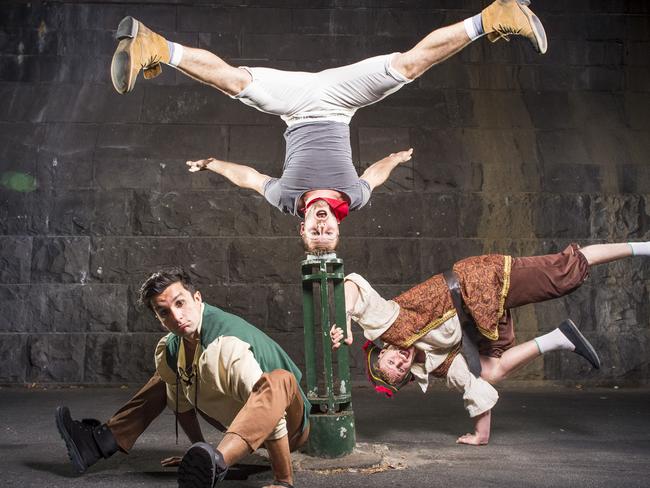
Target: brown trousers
(536, 279)
(272, 395)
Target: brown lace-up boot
(139, 48)
(505, 18)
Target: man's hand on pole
(336, 334)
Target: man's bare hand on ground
(171, 462)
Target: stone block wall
(514, 153)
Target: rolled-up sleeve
(479, 396)
(373, 313)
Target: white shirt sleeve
(231, 365)
(169, 377)
(479, 396)
(373, 313)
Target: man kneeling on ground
(213, 363)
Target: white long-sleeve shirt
(375, 315)
(227, 371)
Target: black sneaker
(582, 346)
(202, 466)
(78, 436)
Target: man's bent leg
(141, 48)
(499, 20)
(274, 394)
(538, 278)
(87, 441)
(132, 419)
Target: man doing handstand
(319, 181)
(424, 337)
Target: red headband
(340, 208)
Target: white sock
(474, 27)
(553, 341)
(640, 248)
(176, 53)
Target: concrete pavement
(547, 436)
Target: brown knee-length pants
(274, 394)
(535, 279)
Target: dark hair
(160, 280)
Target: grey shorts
(333, 94)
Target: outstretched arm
(379, 172)
(238, 174)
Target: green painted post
(332, 419)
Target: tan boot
(505, 18)
(139, 48)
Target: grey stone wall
(514, 153)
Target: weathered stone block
(82, 42)
(23, 214)
(77, 69)
(55, 358)
(71, 140)
(15, 259)
(617, 218)
(92, 103)
(13, 358)
(23, 102)
(201, 213)
(637, 79)
(20, 68)
(440, 215)
(376, 144)
(91, 212)
(197, 104)
(562, 147)
(495, 109)
(381, 260)
(388, 215)
(76, 308)
(127, 173)
(494, 216)
(601, 78)
(64, 172)
(264, 260)
(60, 259)
(438, 255)
(262, 147)
(550, 110)
(636, 106)
(161, 142)
(403, 109)
(285, 308)
(633, 178)
(572, 178)
(562, 216)
(503, 156)
(441, 163)
(13, 300)
(225, 45)
(124, 358)
(130, 260)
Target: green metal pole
(332, 431)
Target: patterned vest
(484, 282)
(268, 354)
